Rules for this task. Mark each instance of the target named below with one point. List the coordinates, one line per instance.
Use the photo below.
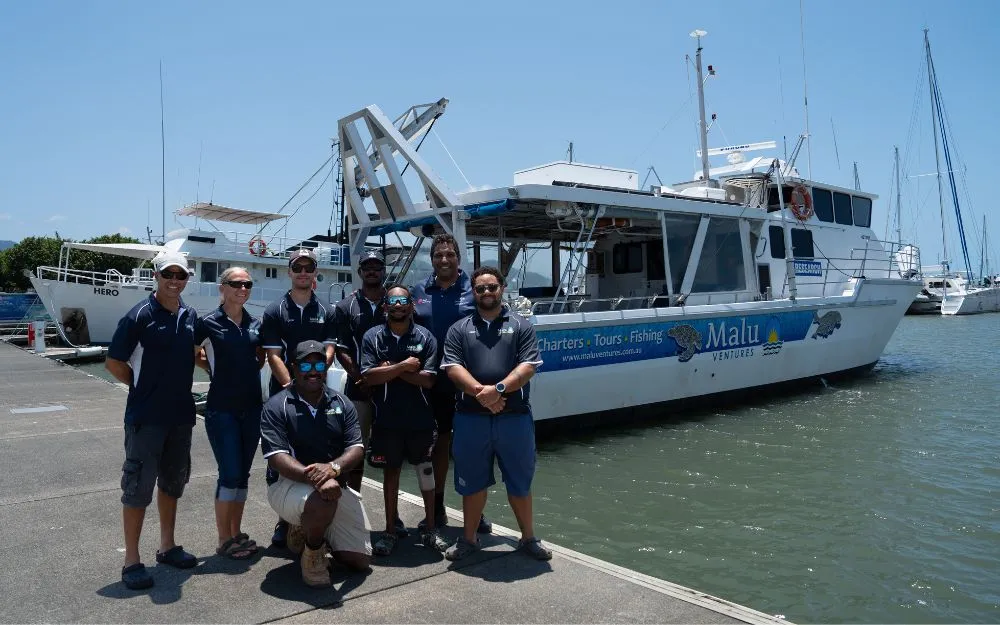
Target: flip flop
(177, 557)
(234, 550)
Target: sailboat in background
(960, 294)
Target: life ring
(801, 203)
(257, 246)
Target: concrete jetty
(60, 527)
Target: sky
(253, 91)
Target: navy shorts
(443, 407)
(479, 438)
(390, 446)
(155, 454)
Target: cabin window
(862, 211)
(777, 241)
(209, 271)
(595, 263)
(681, 232)
(271, 272)
(654, 261)
(721, 265)
(626, 258)
(319, 277)
(823, 204)
(343, 278)
(200, 239)
(842, 211)
(802, 243)
(772, 198)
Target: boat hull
(972, 302)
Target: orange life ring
(802, 203)
(257, 246)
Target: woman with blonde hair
(231, 353)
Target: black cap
(368, 255)
(306, 348)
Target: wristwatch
(336, 469)
(501, 387)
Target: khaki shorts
(349, 529)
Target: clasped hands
(490, 398)
(321, 477)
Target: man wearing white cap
(153, 352)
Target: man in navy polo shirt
(296, 317)
(311, 440)
(439, 301)
(399, 364)
(490, 357)
(153, 352)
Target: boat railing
(578, 303)
(111, 277)
(264, 246)
(877, 259)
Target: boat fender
(802, 204)
(257, 246)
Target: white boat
(87, 305)
(746, 277)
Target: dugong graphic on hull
(688, 339)
(826, 324)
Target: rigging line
(420, 143)
(304, 185)
(673, 117)
(453, 161)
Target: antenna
(836, 151)
(805, 87)
(857, 181)
(201, 150)
(163, 164)
(569, 152)
(899, 196)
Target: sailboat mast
(899, 201)
(163, 166)
(702, 125)
(937, 155)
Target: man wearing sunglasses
(439, 301)
(490, 357)
(296, 317)
(399, 364)
(153, 352)
(311, 440)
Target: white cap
(169, 259)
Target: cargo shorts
(155, 455)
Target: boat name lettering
(808, 268)
(721, 336)
(105, 291)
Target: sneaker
(433, 540)
(485, 526)
(460, 549)
(280, 534)
(296, 539)
(400, 528)
(533, 547)
(314, 571)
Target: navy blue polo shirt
(399, 404)
(490, 351)
(354, 316)
(231, 351)
(159, 346)
(438, 309)
(284, 325)
(289, 425)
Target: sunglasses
(166, 274)
(492, 288)
(306, 367)
(240, 284)
(306, 267)
(402, 300)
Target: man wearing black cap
(311, 440)
(296, 317)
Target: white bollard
(39, 336)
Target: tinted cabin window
(823, 204)
(772, 198)
(721, 265)
(627, 258)
(802, 243)
(681, 231)
(842, 209)
(862, 211)
(654, 261)
(777, 242)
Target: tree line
(35, 251)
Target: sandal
(177, 557)
(246, 542)
(385, 544)
(533, 547)
(136, 577)
(235, 550)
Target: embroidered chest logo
(336, 410)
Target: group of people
(437, 371)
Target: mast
(163, 166)
(899, 201)
(937, 157)
(702, 125)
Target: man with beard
(399, 364)
(298, 316)
(490, 356)
(439, 301)
(311, 440)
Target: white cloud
(55, 218)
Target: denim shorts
(155, 454)
(479, 438)
(235, 437)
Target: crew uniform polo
(285, 324)
(159, 347)
(490, 351)
(355, 315)
(288, 424)
(399, 404)
(231, 350)
(437, 309)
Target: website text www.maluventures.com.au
(610, 353)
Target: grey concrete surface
(61, 546)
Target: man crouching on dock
(153, 352)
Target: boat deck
(61, 530)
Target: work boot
(314, 571)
